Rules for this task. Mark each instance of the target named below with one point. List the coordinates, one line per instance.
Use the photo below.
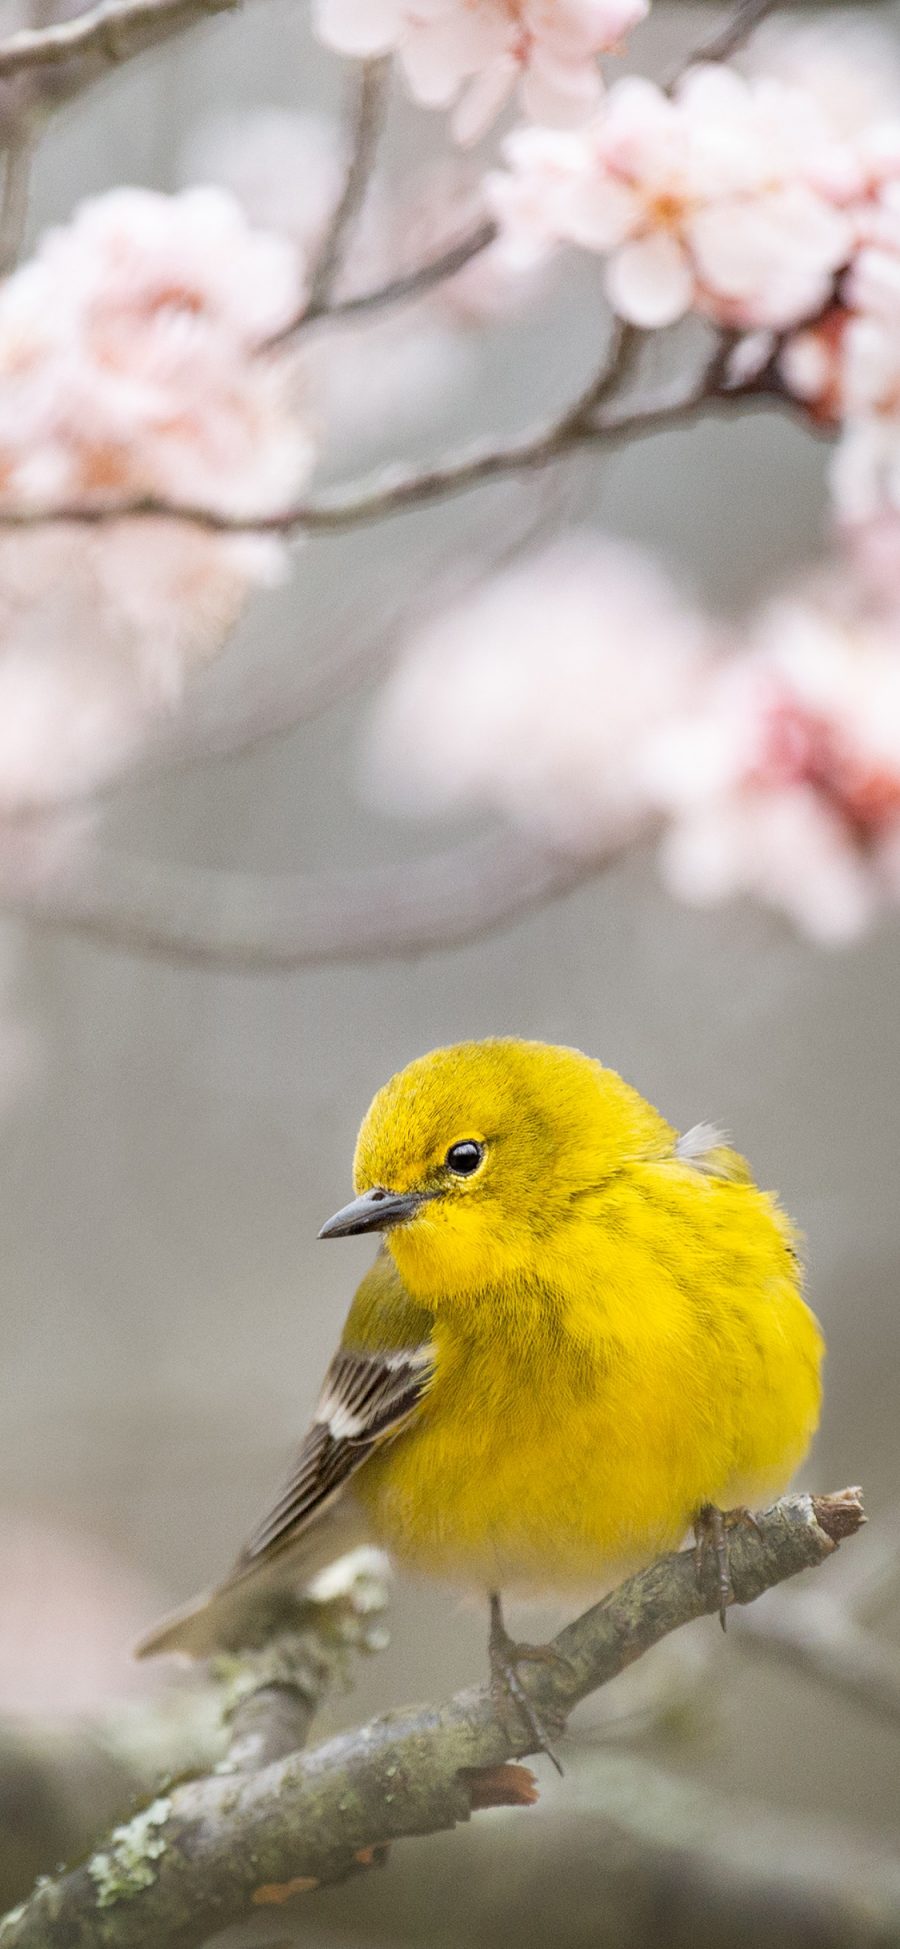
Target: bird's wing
(366, 1399)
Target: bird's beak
(375, 1211)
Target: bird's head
(473, 1157)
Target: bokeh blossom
(581, 699)
(534, 696)
(474, 53)
(131, 367)
(727, 198)
(785, 784)
(100, 632)
(129, 360)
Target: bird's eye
(463, 1159)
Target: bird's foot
(711, 1527)
(506, 1685)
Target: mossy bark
(216, 1847)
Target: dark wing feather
(366, 1399)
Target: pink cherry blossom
(130, 360)
(726, 198)
(785, 784)
(535, 696)
(474, 53)
(781, 847)
(579, 698)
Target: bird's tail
(260, 1598)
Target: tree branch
(830, 1639)
(203, 1855)
(397, 491)
(234, 920)
(61, 1787)
(17, 160)
(735, 34)
(113, 31)
(407, 284)
(365, 130)
(628, 1856)
(272, 923)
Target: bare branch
(237, 921)
(203, 1855)
(366, 125)
(275, 1691)
(113, 31)
(397, 491)
(234, 920)
(632, 1856)
(71, 1782)
(17, 160)
(735, 34)
(411, 284)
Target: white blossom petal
(650, 282)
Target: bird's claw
(711, 1527)
(506, 1685)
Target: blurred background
(173, 1137)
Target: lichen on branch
(313, 1818)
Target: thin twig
(113, 30)
(366, 125)
(205, 1854)
(17, 160)
(406, 286)
(581, 418)
(735, 34)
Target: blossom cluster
(728, 197)
(582, 698)
(767, 203)
(474, 53)
(130, 368)
(127, 360)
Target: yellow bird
(586, 1333)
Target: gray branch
(206, 1854)
(730, 39)
(236, 920)
(111, 32)
(365, 129)
(580, 425)
(407, 285)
